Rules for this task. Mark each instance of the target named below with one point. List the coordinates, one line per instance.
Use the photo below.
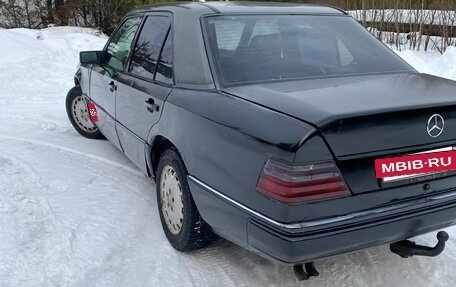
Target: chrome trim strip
(320, 222)
(243, 207)
(119, 124)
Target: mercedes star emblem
(435, 125)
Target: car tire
(78, 115)
(181, 221)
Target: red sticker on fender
(93, 112)
(415, 164)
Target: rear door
(103, 81)
(143, 88)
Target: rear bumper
(307, 241)
(289, 249)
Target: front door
(143, 88)
(103, 80)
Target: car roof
(190, 61)
(270, 7)
(243, 7)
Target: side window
(120, 46)
(165, 65)
(145, 55)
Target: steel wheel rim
(81, 115)
(172, 205)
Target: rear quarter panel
(225, 142)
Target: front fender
(77, 76)
(82, 79)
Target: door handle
(112, 87)
(151, 106)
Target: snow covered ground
(76, 212)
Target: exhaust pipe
(310, 271)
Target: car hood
(364, 114)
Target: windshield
(265, 48)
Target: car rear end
(332, 216)
(363, 104)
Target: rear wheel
(78, 115)
(181, 221)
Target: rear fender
(225, 142)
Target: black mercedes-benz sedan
(287, 129)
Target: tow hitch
(407, 248)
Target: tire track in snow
(121, 173)
(73, 151)
(218, 271)
(44, 243)
(36, 229)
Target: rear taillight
(290, 183)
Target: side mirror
(90, 57)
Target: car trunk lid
(364, 115)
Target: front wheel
(180, 219)
(78, 115)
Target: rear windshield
(264, 48)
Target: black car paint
(102, 93)
(226, 136)
(356, 117)
(133, 94)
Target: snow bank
(432, 63)
(18, 45)
(445, 66)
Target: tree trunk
(61, 12)
(50, 12)
(84, 14)
(27, 14)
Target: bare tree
(403, 24)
